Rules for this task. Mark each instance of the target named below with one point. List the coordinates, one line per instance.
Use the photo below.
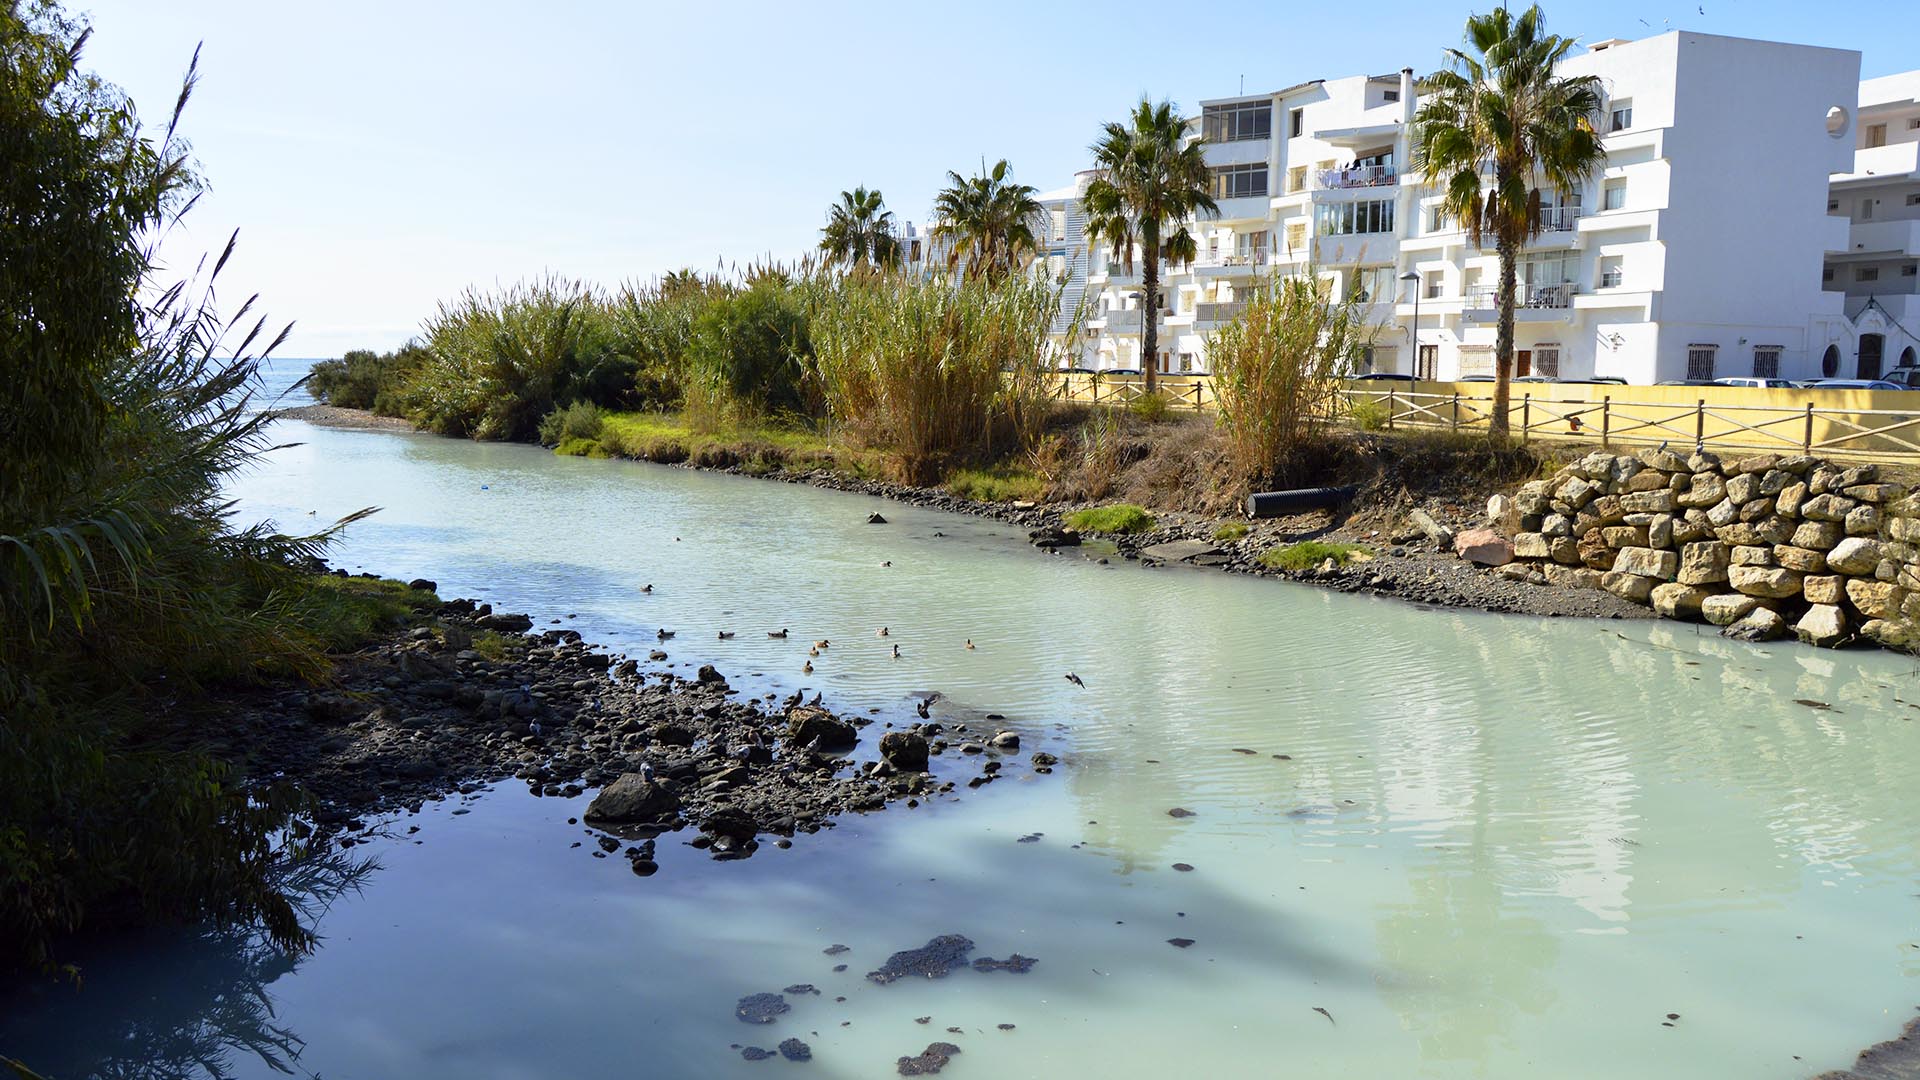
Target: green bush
(1152, 408)
(364, 379)
(1369, 415)
(751, 351)
(581, 420)
(996, 485)
(1117, 518)
(1311, 553)
(1231, 531)
(587, 448)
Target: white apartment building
(1878, 269)
(1693, 252)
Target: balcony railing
(1218, 313)
(1358, 176)
(1235, 258)
(1559, 218)
(1527, 296)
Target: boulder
(1704, 562)
(1556, 525)
(1563, 549)
(1596, 466)
(1706, 490)
(1647, 480)
(1660, 531)
(1760, 624)
(1727, 608)
(1798, 464)
(1775, 481)
(1647, 502)
(1005, 740)
(1818, 535)
(1753, 556)
(1663, 460)
(904, 750)
(1855, 555)
(1758, 463)
(710, 676)
(1805, 560)
(1571, 577)
(1676, 601)
(1725, 512)
(1504, 515)
(1772, 582)
(1890, 633)
(1647, 562)
(1875, 599)
(1531, 545)
(1875, 493)
(633, 800)
(1824, 625)
(1701, 461)
(1483, 546)
(1863, 520)
(1743, 487)
(506, 624)
(1576, 492)
(1431, 529)
(1791, 498)
(1532, 497)
(1827, 507)
(1624, 536)
(1609, 509)
(1627, 586)
(808, 725)
(1904, 529)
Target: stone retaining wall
(1758, 545)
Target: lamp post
(1413, 336)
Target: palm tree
(988, 220)
(1498, 129)
(859, 231)
(1150, 178)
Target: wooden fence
(1880, 424)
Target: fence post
(1806, 444)
(1389, 408)
(1606, 418)
(1526, 416)
(1456, 412)
(1700, 424)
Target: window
(1700, 361)
(1621, 118)
(1614, 195)
(1914, 124)
(1239, 181)
(1826, 273)
(1766, 361)
(1297, 178)
(1233, 123)
(1866, 273)
(1253, 246)
(1611, 274)
(1909, 269)
(1476, 361)
(1876, 135)
(1832, 205)
(1914, 199)
(1436, 286)
(1296, 234)
(1059, 224)
(1429, 361)
(1437, 221)
(1296, 122)
(1830, 362)
(1186, 362)
(1390, 95)
(1866, 210)
(1546, 361)
(1343, 219)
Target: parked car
(1079, 371)
(1535, 378)
(1118, 371)
(1597, 380)
(1854, 384)
(1741, 380)
(1686, 382)
(1907, 377)
(1381, 376)
(1477, 378)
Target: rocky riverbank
(469, 696)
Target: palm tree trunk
(1150, 317)
(1497, 427)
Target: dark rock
(811, 726)
(875, 519)
(1179, 812)
(1015, 963)
(709, 677)
(834, 950)
(506, 624)
(424, 584)
(904, 750)
(801, 988)
(934, 960)
(1005, 740)
(1180, 942)
(760, 1008)
(755, 1053)
(1044, 759)
(928, 1061)
(633, 800)
(795, 1050)
(1183, 867)
(731, 823)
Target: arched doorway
(1906, 357)
(1872, 346)
(1830, 362)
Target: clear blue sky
(377, 157)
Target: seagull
(726, 635)
(882, 632)
(969, 643)
(1075, 680)
(664, 634)
(896, 652)
(780, 633)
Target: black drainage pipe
(1267, 504)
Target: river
(1423, 842)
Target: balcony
(1532, 302)
(1232, 261)
(1218, 313)
(1357, 176)
(1557, 219)
(1894, 237)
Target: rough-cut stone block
(1663, 460)
(1594, 551)
(1890, 633)
(1677, 601)
(1624, 536)
(1727, 608)
(1722, 513)
(1791, 498)
(1576, 492)
(1753, 556)
(1775, 481)
(1703, 461)
(1875, 599)
(1904, 529)
(1805, 560)
(1529, 545)
(1595, 466)
(1556, 525)
(1756, 509)
(1827, 507)
(1483, 546)
(1758, 463)
(1660, 531)
(1707, 489)
(1647, 502)
(1824, 588)
(1819, 535)
(1823, 624)
(1743, 487)
(1855, 555)
(1647, 562)
(1775, 530)
(1571, 577)
(1704, 563)
(1740, 534)
(1887, 569)
(1532, 497)
(1689, 532)
(1627, 586)
(1863, 520)
(1858, 474)
(1771, 582)
(1875, 493)
(1646, 480)
(1798, 464)
(1760, 624)
(1564, 549)
(1608, 509)
(1820, 481)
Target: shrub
(499, 362)
(364, 379)
(1117, 518)
(581, 420)
(1369, 415)
(1308, 554)
(1231, 531)
(1152, 408)
(996, 485)
(1277, 368)
(750, 353)
(932, 371)
(587, 448)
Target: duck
(806, 668)
(665, 633)
(780, 633)
(646, 588)
(822, 643)
(969, 643)
(814, 651)
(1075, 680)
(726, 635)
(816, 699)
(882, 632)
(922, 708)
(896, 652)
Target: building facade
(1695, 251)
(1877, 271)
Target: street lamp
(1413, 336)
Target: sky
(377, 158)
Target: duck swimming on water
(780, 633)
(726, 635)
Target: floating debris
(1030, 838)
(1179, 812)
(795, 1050)
(760, 1008)
(1184, 868)
(1244, 750)
(755, 1053)
(839, 967)
(1180, 942)
(801, 988)
(923, 1019)
(933, 960)
(1812, 704)
(1005, 1027)
(928, 1061)
(834, 950)
(1015, 963)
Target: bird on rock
(780, 633)
(1075, 680)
